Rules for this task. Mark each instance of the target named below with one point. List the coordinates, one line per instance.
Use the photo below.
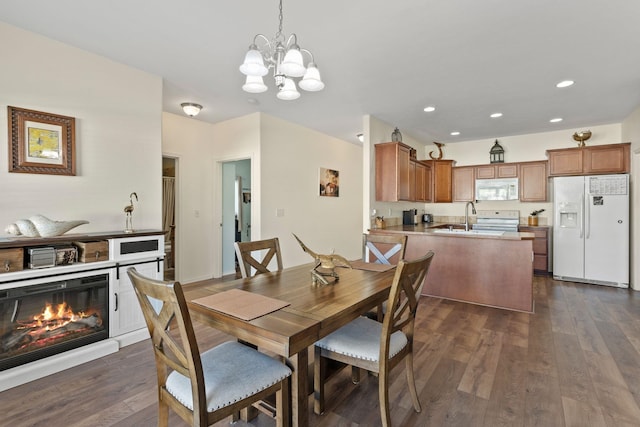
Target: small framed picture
(329, 182)
(40, 142)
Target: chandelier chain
(279, 35)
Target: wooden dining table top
(313, 312)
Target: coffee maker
(410, 217)
(427, 218)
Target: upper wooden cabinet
(592, 160)
(463, 178)
(421, 182)
(440, 180)
(393, 170)
(533, 181)
(501, 170)
(401, 178)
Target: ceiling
(389, 59)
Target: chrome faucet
(466, 214)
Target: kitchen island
(489, 269)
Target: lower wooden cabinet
(540, 248)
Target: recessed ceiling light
(455, 133)
(496, 115)
(565, 83)
(556, 120)
(429, 109)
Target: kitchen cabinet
(440, 185)
(463, 183)
(421, 182)
(399, 177)
(592, 160)
(541, 245)
(393, 169)
(501, 170)
(533, 181)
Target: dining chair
(375, 346)
(203, 388)
(245, 252)
(383, 248)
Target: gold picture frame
(41, 143)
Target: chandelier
(284, 56)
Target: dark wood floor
(575, 362)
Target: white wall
(291, 158)
(118, 132)
(631, 133)
(201, 148)
(285, 159)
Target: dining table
(304, 313)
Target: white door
(607, 229)
(568, 230)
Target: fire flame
(60, 316)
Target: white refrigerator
(591, 229)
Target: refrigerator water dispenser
(568, 219)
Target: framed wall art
(329, 182)
(40, 142)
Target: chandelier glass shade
(282, 55)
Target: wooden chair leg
(163, 414)
(355, 374)
(383, 396)
(319, 373)
(412, 382)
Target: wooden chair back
(175, 348)
(403, 297)
(383, 248)
(246, 253)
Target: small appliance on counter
(427, 218)
(410, 217)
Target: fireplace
(41, 320)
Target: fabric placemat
(241, 304)
(370, 266)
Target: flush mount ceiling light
(565, 83)
(284, 56)
(191, 109)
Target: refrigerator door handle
(587, 215)
(581, 216)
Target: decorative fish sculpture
(41, 226)
(325, 264)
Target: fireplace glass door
(38, 321)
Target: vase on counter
(533, 220)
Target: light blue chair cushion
(361, 339)
(232, 371)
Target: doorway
(236, 210)
(169, 167)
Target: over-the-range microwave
(497, 189)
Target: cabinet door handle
(116, 295)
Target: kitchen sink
(470, 232)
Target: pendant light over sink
(285, 57)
